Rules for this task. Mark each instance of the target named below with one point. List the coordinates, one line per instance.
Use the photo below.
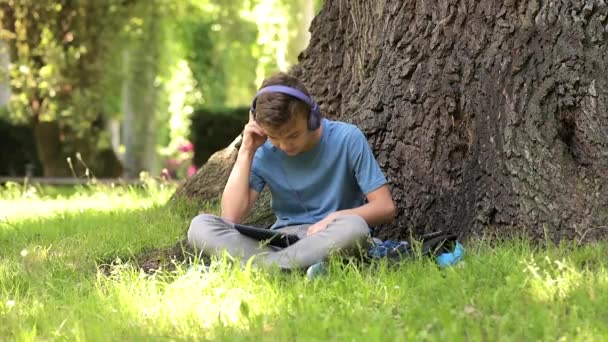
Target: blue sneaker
(316, 270)
(449, 259)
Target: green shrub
(214, 129)
(18, 150)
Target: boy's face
(294, 137)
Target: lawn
(53, 239)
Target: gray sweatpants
(346, 235)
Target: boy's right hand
(253, 135)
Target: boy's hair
(276, 109)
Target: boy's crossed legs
(213, 235)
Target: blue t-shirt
(334, 175)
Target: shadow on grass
(167, 257)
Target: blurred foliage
(71, 59)
(229, 47)
(61, 71)
(61, 56)
(217, 42)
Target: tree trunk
(5, 88)
(55, 145)
(139, 106)
(48, 144)
(484, 115)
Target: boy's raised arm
(238, 198)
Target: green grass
(51, 241)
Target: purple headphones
(314, 119)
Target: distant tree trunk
(139, 105)
(48, 145)
(113, 128)
(484, 115)
(86, 159)
(5, 88)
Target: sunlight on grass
(53, 239)
(190, 303)
(555, 281)
(18, 201)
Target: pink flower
(165, 174)
(186, 147)
(191, 170)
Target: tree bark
(484, 115)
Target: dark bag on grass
(444, 247)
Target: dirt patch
(165, 259)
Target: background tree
(5, 89)
(484, 115)
(59, 51)
(141, 64)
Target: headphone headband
(314, 121)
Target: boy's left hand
(319, 226)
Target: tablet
(274, 237)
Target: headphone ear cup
(252, 109)
(314, 120)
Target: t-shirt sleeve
(366, 168)
(256, 181)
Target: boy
(320, 173)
